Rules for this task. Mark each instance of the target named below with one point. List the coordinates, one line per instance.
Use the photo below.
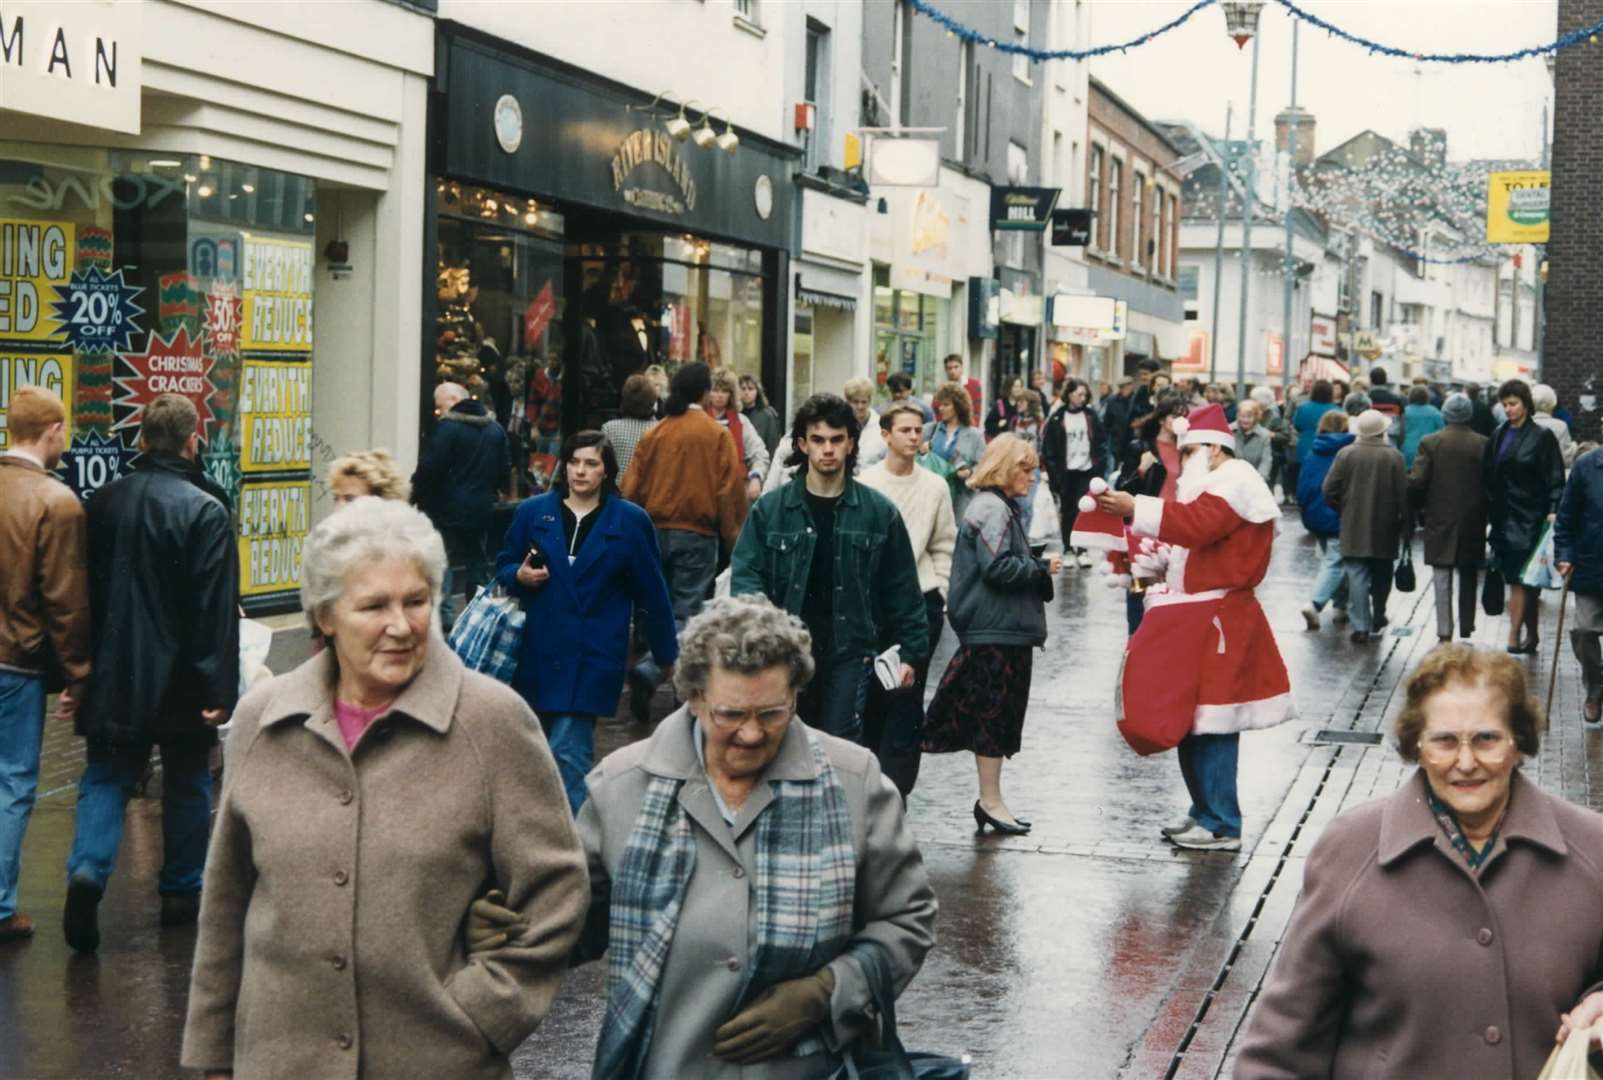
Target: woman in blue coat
(580, 558)
(1320, 519)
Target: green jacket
(878, 601)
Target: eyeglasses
(768, 717)
(1444, 746)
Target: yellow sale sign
(274, 518)
(1517, 206)
(35, 258)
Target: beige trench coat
(1401, 963)
(337, 884)
(712, 944)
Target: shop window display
(124, 276)
(545, 314)
(911, 335)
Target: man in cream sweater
(892, 720)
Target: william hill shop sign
(644, 148)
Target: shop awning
(825, 286)
(1322, 367)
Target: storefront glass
(911, 335)
(545, 312)
(124, 276)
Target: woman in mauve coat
(1452, 929)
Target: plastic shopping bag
(1539, 571)
(1568, 1061)
(489, 634)
(1045, 528)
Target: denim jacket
(878, 602)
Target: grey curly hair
(363, 530)
(746, 634)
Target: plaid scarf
(803, 892)
(1455, 832)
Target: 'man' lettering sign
(77, 61)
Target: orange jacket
(44, 593)
(687, 474)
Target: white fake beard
(1194, 475)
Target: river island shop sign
(75, 61)
(642, 150)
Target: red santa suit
(1204, 660)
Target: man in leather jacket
(164, 639)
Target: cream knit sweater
(926, 508)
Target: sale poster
(275, 416)
(92, 461)
(277, 291)
(35, 261)
(51, 371)
(274, 518)
(168, 365)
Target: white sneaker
(1311, 617)
(1185, 824)
(1199, 839)
(1085, 560)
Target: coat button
(341, 877)
(733, 963)
(338, 961)
(1493, 1035)
(346, 796)
(1484, 936)
(739, 872)
(343, 1041)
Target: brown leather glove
(780, 1015)
(490, 924)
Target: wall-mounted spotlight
(679, 127)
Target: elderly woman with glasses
(1454, 928)
(371, 795)
(740, 861)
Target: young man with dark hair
(1389, 404)
(835, 553)
(900, 387)
(954, 375)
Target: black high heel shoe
(982, 819)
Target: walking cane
(1558, 641)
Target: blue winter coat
(1418, 422)
(576, 641)
(1578, 525)
(464, 464)
(1318, 517)
(1306, 421)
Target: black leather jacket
(1523, 488)
(163, 598)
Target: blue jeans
(572, 737)
(689, 564)
(108, 783)
(1368, 587)
(833, 702)
(22, 721)
(1331, 583)
(1134, 607)
(1208, 763)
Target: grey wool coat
(1447, 487)
(1401, 963)
(712, 943)
(1368, 486)
(337, 884)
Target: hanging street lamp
(1241, 19)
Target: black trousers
(893, 720)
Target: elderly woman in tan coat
(370, 796)
(739, 861)
(1453, 929)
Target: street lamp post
(1241, 22)
(1219, 248)
(1291, 182)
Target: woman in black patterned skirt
(997, 606)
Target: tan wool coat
(713, 941)
(1400, 962)
(337, 884)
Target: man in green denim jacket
(859, 602)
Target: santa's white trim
(1148, 515)
(1163, 599)
(1198, 436)
(1097, 541)
(1243, 716)
(1176, 575)
(1240, 485)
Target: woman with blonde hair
(997, 607)
(366, 472)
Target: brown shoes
(15, 928)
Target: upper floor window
(1115, 193)
(1093, 197)
(1018, 164)
(747, 9)
(1021, 37)
(1138, 187)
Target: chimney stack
(1305, 133)
(1429, 145)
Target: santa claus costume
(1203, 666)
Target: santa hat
(1096, 529)
(1206, 424)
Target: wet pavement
(1089, 948)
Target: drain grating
(1332, 737)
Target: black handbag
(892, 1061)
(1404, 579)
(1492, 593)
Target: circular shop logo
(508, 123)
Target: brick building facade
(1572, 356)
